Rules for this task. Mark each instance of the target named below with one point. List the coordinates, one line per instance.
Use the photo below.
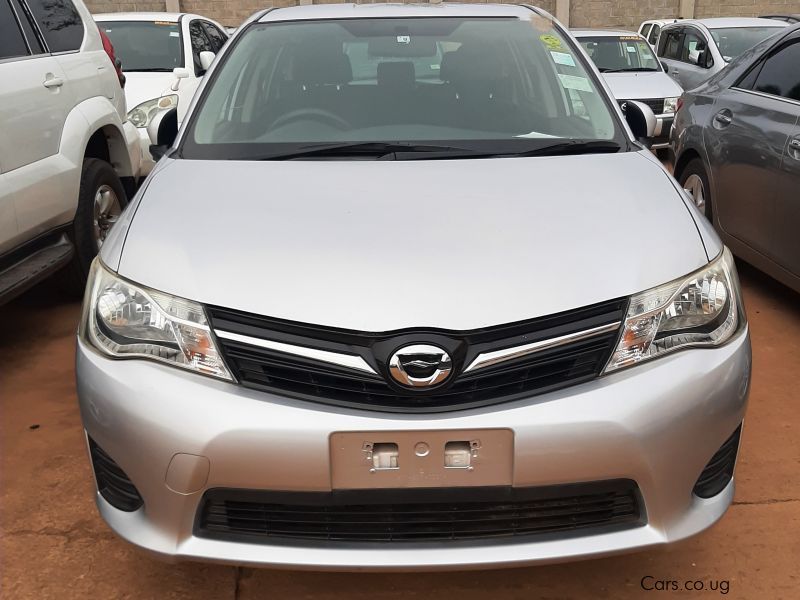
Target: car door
(747, 142)
(695, 58)
(198, 42)
(779, 78)
(669, 51)
(33, 106)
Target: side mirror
(664, 66)
(206, 58)
(641, 120)
(179, 73)
(162, 131)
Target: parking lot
(54, 544)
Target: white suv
(68, 158)
(164, 56)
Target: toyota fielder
(404, 293)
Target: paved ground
(54, 545)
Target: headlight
(670, 105)
(700, 310)
(124, 320)
(141, 115)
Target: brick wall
(744, 8)
(625, 14)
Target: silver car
(737, 145)
(404, 293)
(633, 73)
(697, 49)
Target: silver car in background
(634, 73)
(737, 145)
(697, 49)
(404, 293)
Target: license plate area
(441, 458)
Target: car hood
(384, 245)
(641, 86)
(140, 87)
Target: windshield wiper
(574, 147)
(629, 70)
(377, 150)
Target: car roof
(139, 16)
(360, 11)
(726, 22)
(660, 21)
(603, 33)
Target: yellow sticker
(162, 23)
(551, 41)
(630, 37)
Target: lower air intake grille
(419, 515)
(719, 470)
(112, 482)
(655, 104)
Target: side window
(60, 23)
(200, 44)
(12, 44)
(653, 38)
(779, 75)
(691, 47)
(215, 36)
(669, 44)
(645, 29)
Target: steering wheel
(313, 114)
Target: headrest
(396, 74)
(326, 65)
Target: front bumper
(657, 424)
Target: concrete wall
(582, 13)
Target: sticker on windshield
(629, 37)
(574, 82)
(174, 34)
(562, 58)
(551, 41)
(630, 48)
(403, 39)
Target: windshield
(619, 54)
(497, 85)
(732, 41)
(145, 46)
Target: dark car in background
(737, 148)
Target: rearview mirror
(179, 73)
(162, 131)
(641, 120)
(206, 58)
(664, 66)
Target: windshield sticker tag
(630, 48)
(403, 39)
(574, 82)
(551, 41)
(174, 34)
(562, 58)
(629, 37)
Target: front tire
(694, 180)
(101, 199)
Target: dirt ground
(54, 544)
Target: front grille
(112, 482)
(655, 104)
(719, 470)
(309, 379)
(419, 515)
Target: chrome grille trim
(350, 361)
(488, 359)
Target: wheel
(101, 199)
(694, 180)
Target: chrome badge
(420, 365)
